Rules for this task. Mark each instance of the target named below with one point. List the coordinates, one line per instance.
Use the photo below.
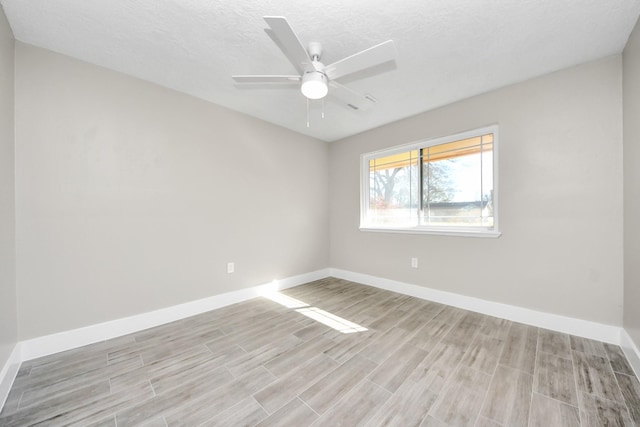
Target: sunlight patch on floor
(285, 300)
(331, 320)
(315, 313)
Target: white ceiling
(447, 49)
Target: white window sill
(491, 234)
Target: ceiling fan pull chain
(323, 108)
(307, 112)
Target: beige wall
(8, 316)
(560, 167)
(131, 197)
(631, 95)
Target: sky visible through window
(466, 171)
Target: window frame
(466, 231)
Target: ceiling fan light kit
(316, 80)
(314, 85)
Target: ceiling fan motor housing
(315, 50)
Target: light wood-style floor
(269, 363)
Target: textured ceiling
(447, 49)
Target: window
(443, 186)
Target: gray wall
(560, 168)
(631, 95)
(131, 197)
(8, 316)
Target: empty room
(283, 213)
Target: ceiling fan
(315, 78)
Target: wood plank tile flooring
(331, 353)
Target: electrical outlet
(231, 267)
(414, 262)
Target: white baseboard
(631, 351)
(569, 325)
(49, 344)
(8, 373)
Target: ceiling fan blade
(287, 40)
(349, 98)
(267, 79)
(376, 55)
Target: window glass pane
(453, 192)
(454, 189)
(487, 180)
(393, 184)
